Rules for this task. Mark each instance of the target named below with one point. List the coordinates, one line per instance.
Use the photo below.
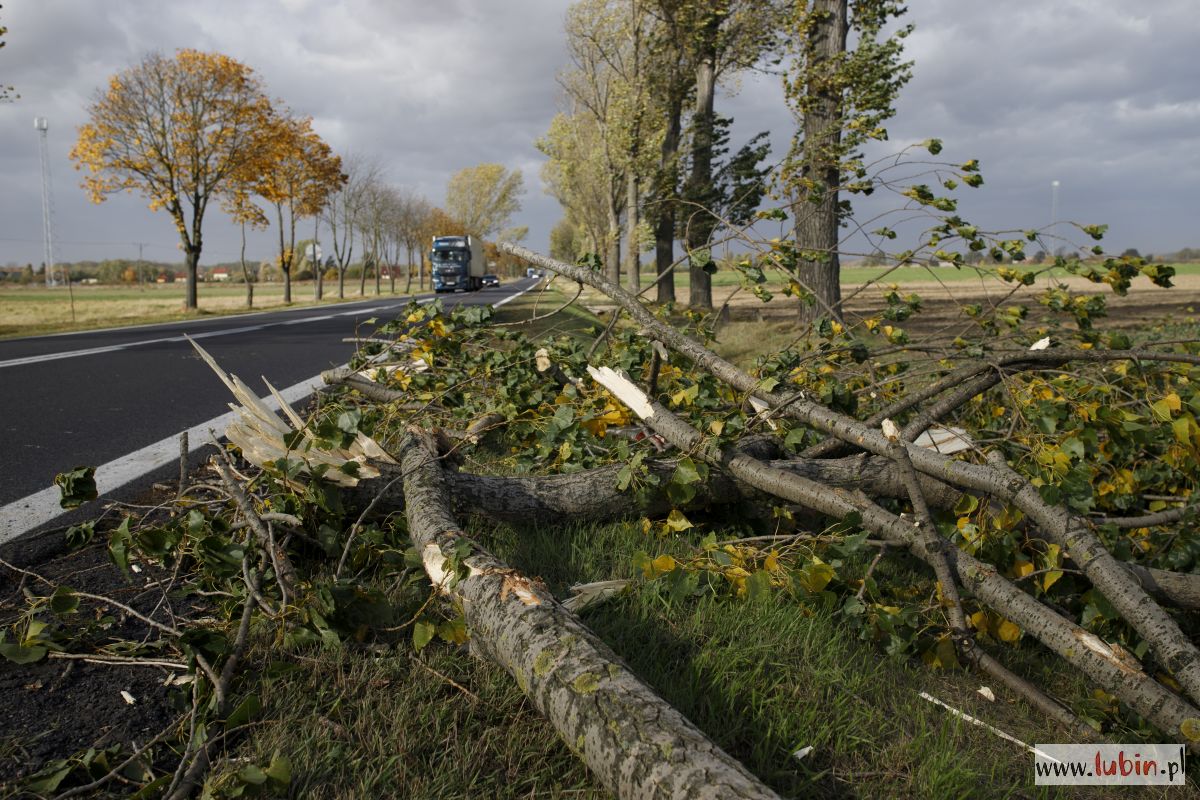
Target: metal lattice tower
(42, 125)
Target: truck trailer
(458, 263)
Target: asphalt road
(91, 398)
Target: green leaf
(77, 486)
(19, 654)
(252, 775)
(245, 711)
(686, 472)
(80, 535)
(280, 770)
(118, 546)
(49, 778)
(64, 600)
(423, 633)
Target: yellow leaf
(1008, 632)
(771, 564)
(1173, 402)
(1050, 578)
(815, 575)
(676, 521)
(979, 621)
(716, 426)
(663, 563)
(1022, 568)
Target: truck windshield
(449, 256)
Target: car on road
(489, 280)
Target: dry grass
(32, 311)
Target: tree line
(197, 128)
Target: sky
(1102, 96)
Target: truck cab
(458, 264)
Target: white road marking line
(38, 508)
(512, 297)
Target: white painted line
(512, 297)
(38, 508)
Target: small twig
(79, 790)
(97, 598)
(862, 590)
(93, 658)
(448, 680)
(604, 334)
(358, 523)
(183, 459)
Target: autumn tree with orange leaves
(297, 175)
(174, 129)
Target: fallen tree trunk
(634, 742)
(592, 495)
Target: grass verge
(764, 679)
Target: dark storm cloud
(1101, 96)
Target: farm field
(32, 311)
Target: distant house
(219, 274)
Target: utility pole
(41, 124)
(141, 268)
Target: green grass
(533, 315)
(762, 679)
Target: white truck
(458, 263)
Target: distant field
(30, 311)
(35, 310)
(854, 276)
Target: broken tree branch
(635, 744)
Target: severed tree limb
(938, 548)
(344, 376)
(634, 743)
(1115, 671)
(1170, 645)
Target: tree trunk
(816, 210)
(341, 282)
(191, 260)
(636, 744)
(246, 271)
(633, 254)
(665, 200)
(612, 250)
(699, 225)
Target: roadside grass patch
(762, 678)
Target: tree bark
(665, 202)
(699, 226)
(816, 209)
(636, 744)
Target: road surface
(117, 399)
